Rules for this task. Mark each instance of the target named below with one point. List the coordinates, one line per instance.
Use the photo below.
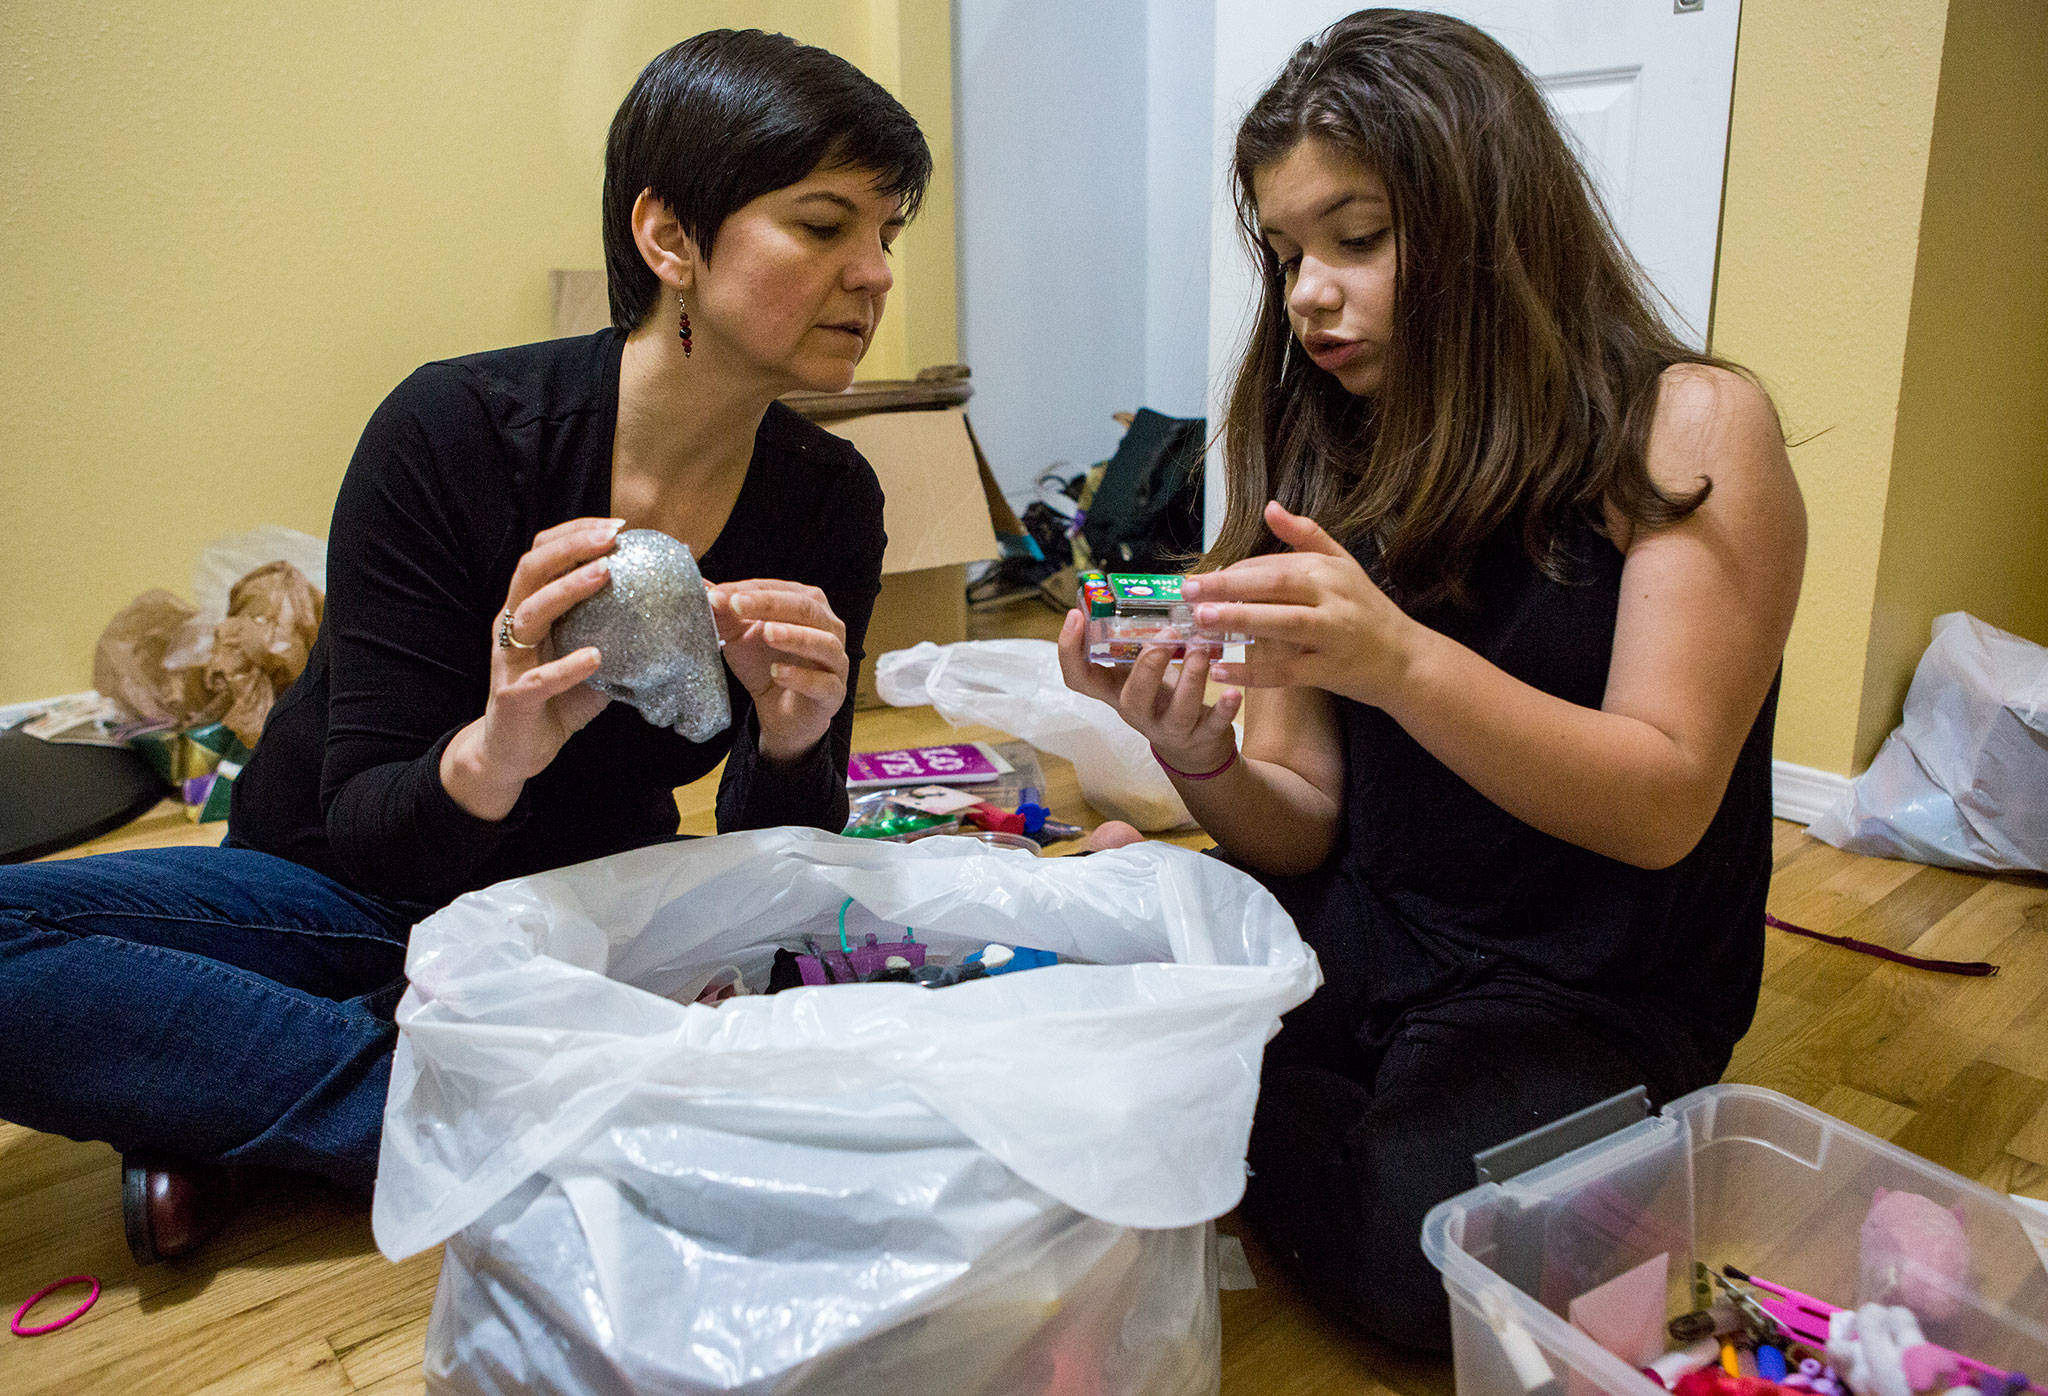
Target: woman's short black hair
(730, 115)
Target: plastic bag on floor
(1003, 1186)
(227, 659)
(1015, 685)
(224, 563)
(1963, 780)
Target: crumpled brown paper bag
(258, 650)
(128, 662)
(273, 615)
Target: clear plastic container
(1121, 639)
(992, 838)
(1127, 611)
(1729, 1175)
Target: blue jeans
(206, 1003)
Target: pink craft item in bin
(1912, 1251)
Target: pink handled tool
(1929, 1367)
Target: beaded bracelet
(1173, 770)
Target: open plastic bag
(254, 654)
(1962, 782)
(1015, 685)
(229, 658)
(128, 663)
(225, 562)
(261, 648)
(1003, 1186)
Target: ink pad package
(1128, 610)
(998, 1188)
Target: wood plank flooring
(294, 1300)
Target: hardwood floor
(294, 1298)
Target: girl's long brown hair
(1521, 377)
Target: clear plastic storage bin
(1729, 1175)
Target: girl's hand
(1316, 619)
(1167, 709)
(789, 650)
(538, 700)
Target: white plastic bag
(1015, 685)
(226, 561)
(1963, 780)
(860, 1187)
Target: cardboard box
(941, 505)
(936, 515)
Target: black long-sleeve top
(460, 467)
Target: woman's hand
(1316, 619)
(1169, 710)
(538, 700)
(789, 650)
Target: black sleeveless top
(1448, 893)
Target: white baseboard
(1801, 793)
(11, 713)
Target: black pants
(1353, 1144)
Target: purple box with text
(960, 764)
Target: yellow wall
(1881, 269)
(245, 222)
(1827, 158)
(1966, 522)
(925, 302)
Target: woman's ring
(506, 639)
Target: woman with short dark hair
(1518, 565)
(240, 998)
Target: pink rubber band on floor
(45, 1292)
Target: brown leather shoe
(170, 1207)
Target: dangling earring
(683, 328)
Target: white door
(1644, 86)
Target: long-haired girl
(1519, 566)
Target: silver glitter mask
(653, 626)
